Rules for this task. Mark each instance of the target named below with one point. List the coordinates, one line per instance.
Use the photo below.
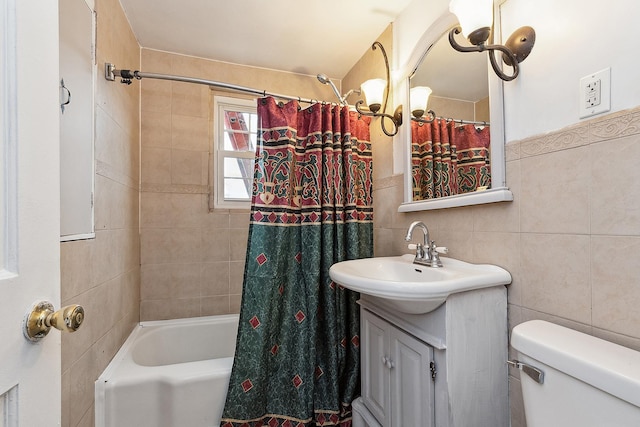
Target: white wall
(574, 38)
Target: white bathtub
(169, 373)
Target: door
(29, 209)
(411, 383)
(375, 372)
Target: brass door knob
(38, 322)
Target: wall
(103, 274)
(570, 235)
(193, 258)
(371, 65)
(567, 49)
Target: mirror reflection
(450, 135)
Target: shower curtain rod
(111, 72)
(465, 122)
(449, 119)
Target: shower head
(322, 78)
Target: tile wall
(193, 257)
(566, 238)
(103, 274)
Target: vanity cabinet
(396, 382)
(445, 368)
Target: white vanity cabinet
(396, 382)
(445, 368)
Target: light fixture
(418, 100)
(476, 20)
(376, 92)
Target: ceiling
(307, 37)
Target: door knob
(42, 317)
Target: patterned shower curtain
(297, 360)
(447, 159)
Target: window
(235, 127)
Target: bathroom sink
(412, 288)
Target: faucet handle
(440, 249)
(418, 248)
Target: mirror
(450, 139)
(465, 109)
(77, 119)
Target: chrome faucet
(426, 253)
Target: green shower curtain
(297, 360)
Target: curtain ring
(280, 104)
(313, 102)
(263, 101)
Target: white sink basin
(413, 288)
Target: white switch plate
(595, 93)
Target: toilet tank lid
(610, 367)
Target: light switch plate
(595, 93)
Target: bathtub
(169, 373)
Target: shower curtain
(447, 159)
(297, 360)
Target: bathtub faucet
(426, 253)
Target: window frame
(221, 104)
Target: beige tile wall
(567, 238)
(369, 66)
(103, 274)
(193, 258)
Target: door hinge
(432, 368)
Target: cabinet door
(411, 383)
(375, 374)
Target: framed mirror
(465, 106)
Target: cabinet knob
(386, 361)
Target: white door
(375, 372)
(411, 384)
(29, 209)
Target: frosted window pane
(238, 168)
(237, 189)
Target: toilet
(572, 379)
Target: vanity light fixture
(476, 19)
(418, 100)
(376, 92)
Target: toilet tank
(588, 382)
